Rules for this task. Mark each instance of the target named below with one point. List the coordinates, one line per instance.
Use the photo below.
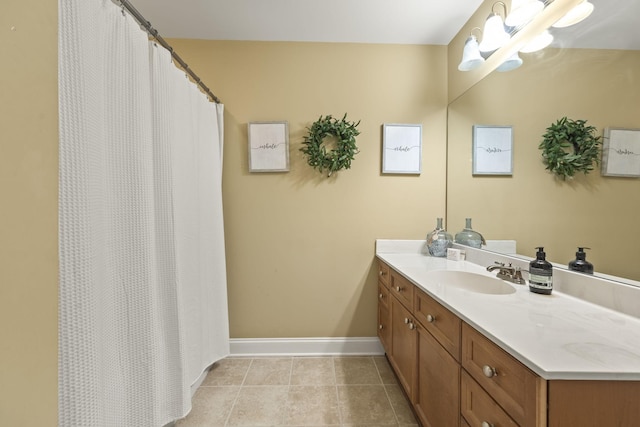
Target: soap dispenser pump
(580, 263)
(540, 274)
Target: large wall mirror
(591, 72)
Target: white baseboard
(357, 346)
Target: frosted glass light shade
(493, 35)
(513, 62)
(523, 11)
(541, 41)
(471, 58)
(575, 15)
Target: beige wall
(300, 247)
(532, 206)
(28, 229)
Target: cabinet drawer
(520, 392)
(383, 295)
(402, 289)
(383, 273)
(478, 408)
(443, 324)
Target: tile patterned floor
(300, 391)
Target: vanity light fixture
(471, 57)
(541, 41)
(494, 34)
(523, 11)
(511, 63)
(575, 15)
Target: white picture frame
(621, 152)
(492, 150)
(401, 148)
(268, 144)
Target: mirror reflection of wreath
(570, 146)
(339, 157)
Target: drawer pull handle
(399, 289)
(489, 372)
(430, 318)
(486, 424)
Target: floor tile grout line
(386, 392)
(286, 403)
(335, 384)
(226, 422)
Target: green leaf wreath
(337, 158)
(570, 146)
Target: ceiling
(613, 24)
(357, 21)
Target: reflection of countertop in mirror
(557, 336)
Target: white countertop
(557, 336)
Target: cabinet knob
(489, 372)
(406, 320)
(380, 296)
(430, 318)
(381, 273)
(486, 424)
(412, 326)
(398, 288)
(380, 327)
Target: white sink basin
(472, 282)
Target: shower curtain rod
(154, 33)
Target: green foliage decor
(337, 158)
(570, 146)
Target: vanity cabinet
(455, 376)
(452, 374)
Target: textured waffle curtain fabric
(142, 298)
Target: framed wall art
(401, 148)
(621, 152)
(268, 146)
(492, 150)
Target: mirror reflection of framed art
(492, 150)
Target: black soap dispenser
(580, 263)
(540, 274)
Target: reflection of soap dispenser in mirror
(580, 263)
(540, 274)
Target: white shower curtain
(142, 298)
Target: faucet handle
(517, 276)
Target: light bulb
(575, 15)
(523, 11)
(494, 34)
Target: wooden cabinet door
(437, 391)
(403, 345)
(384, 319)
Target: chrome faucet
(508, 273)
